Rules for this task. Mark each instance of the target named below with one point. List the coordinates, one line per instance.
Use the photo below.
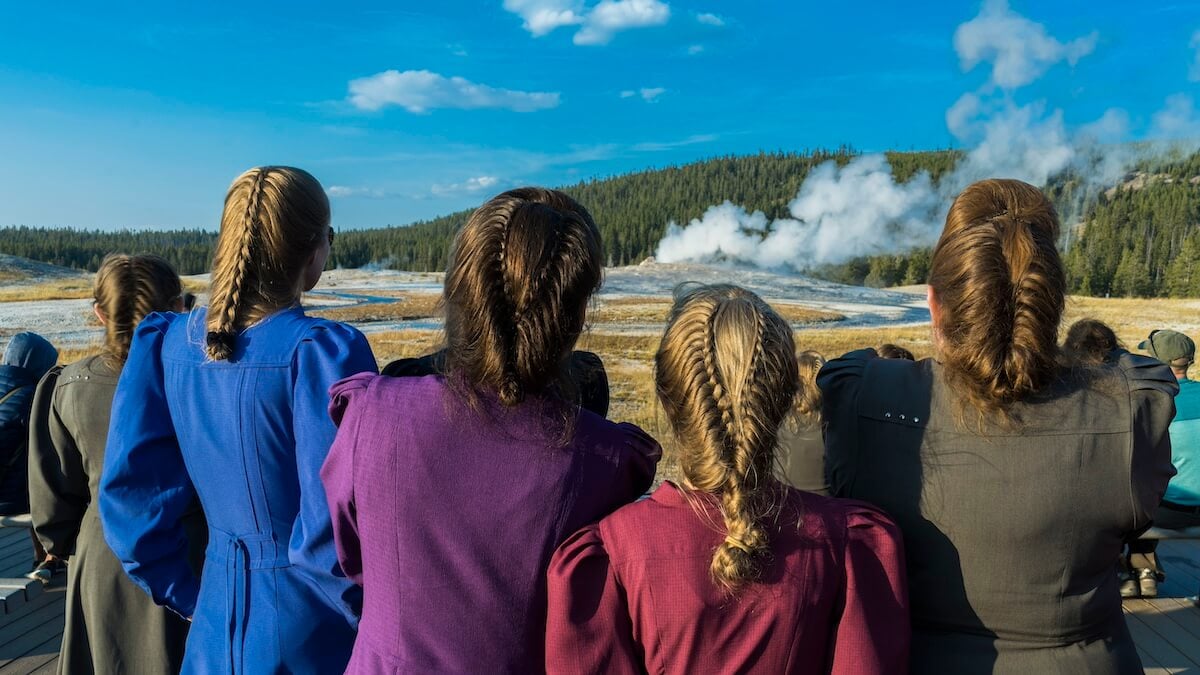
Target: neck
(1180, 374)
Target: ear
(935, 310)
(99, 315)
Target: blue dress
(248, 436)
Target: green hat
(1169, 346)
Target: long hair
(726, 376)
(999, 281)
(275, 217)
(1090, 341)
(127, 288)
(521, 272)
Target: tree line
(1141, 238)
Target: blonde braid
(223, 313)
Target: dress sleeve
(337, 474)
(1152, 389)
(640, 462)
(588, 627)
(330, 352)
(839, 382)
(873, 631)
(145, 490)
(58, 483)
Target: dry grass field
(624, 330)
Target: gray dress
(112, 626)
(1012, 529)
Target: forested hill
(1141, 237)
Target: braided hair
(275, 217)
(726, 376)
(127, 288)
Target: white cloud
(470, 185)
(345, 192)
(650, 94)
(1194, 71)
(543, 16)
(1019, 50)
(1178, 120)
(695, 49)
(1112, 127)
(420, 91)
(960, 115)
(610, 17)
(710, 19)
(628, 93)
(597, 23)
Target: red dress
(633, 594)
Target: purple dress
(448, 517)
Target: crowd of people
(238, 490)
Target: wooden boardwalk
(1166, 629)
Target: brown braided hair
(127, 288)
(275, 217)
(521, 273)
(999, 282)
(726, 375)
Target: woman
(730, 572)
(229, 404)
(112, 625)
(1014, 479)
(450, 492)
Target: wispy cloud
(710, 19)
(1018, 49)
(1178, 120)
(419, 91)
(470, 185)
(348, 192)
(653, 146)
(597, 23)
(695, 49)
(648, 94)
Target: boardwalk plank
(1167, 628)
(1148, 642)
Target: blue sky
(126, 115)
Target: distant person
(585, 370)
(888, 350)
(731, 571)
(27, 358)
(1180, 506)
(230, 403)
(801, 438)
(476, 475)
(1092, 342)
(998, 462)
(112, 626)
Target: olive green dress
(112, 626)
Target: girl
(730, 572)
(229, 404)
(69, 427)
(1014, 479)
(450, 492)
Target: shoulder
(1144, 373)
(158, 322)
(629, 439)
(325, 330)
(368, 390)
(850, 520)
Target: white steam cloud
(859, 208)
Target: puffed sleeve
(145, 490)
(873, 631)
(588, 628)
(1152, 390)
(58, 483)
(337, 474)
(640, 462)
(839, 382)
(330, 352)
